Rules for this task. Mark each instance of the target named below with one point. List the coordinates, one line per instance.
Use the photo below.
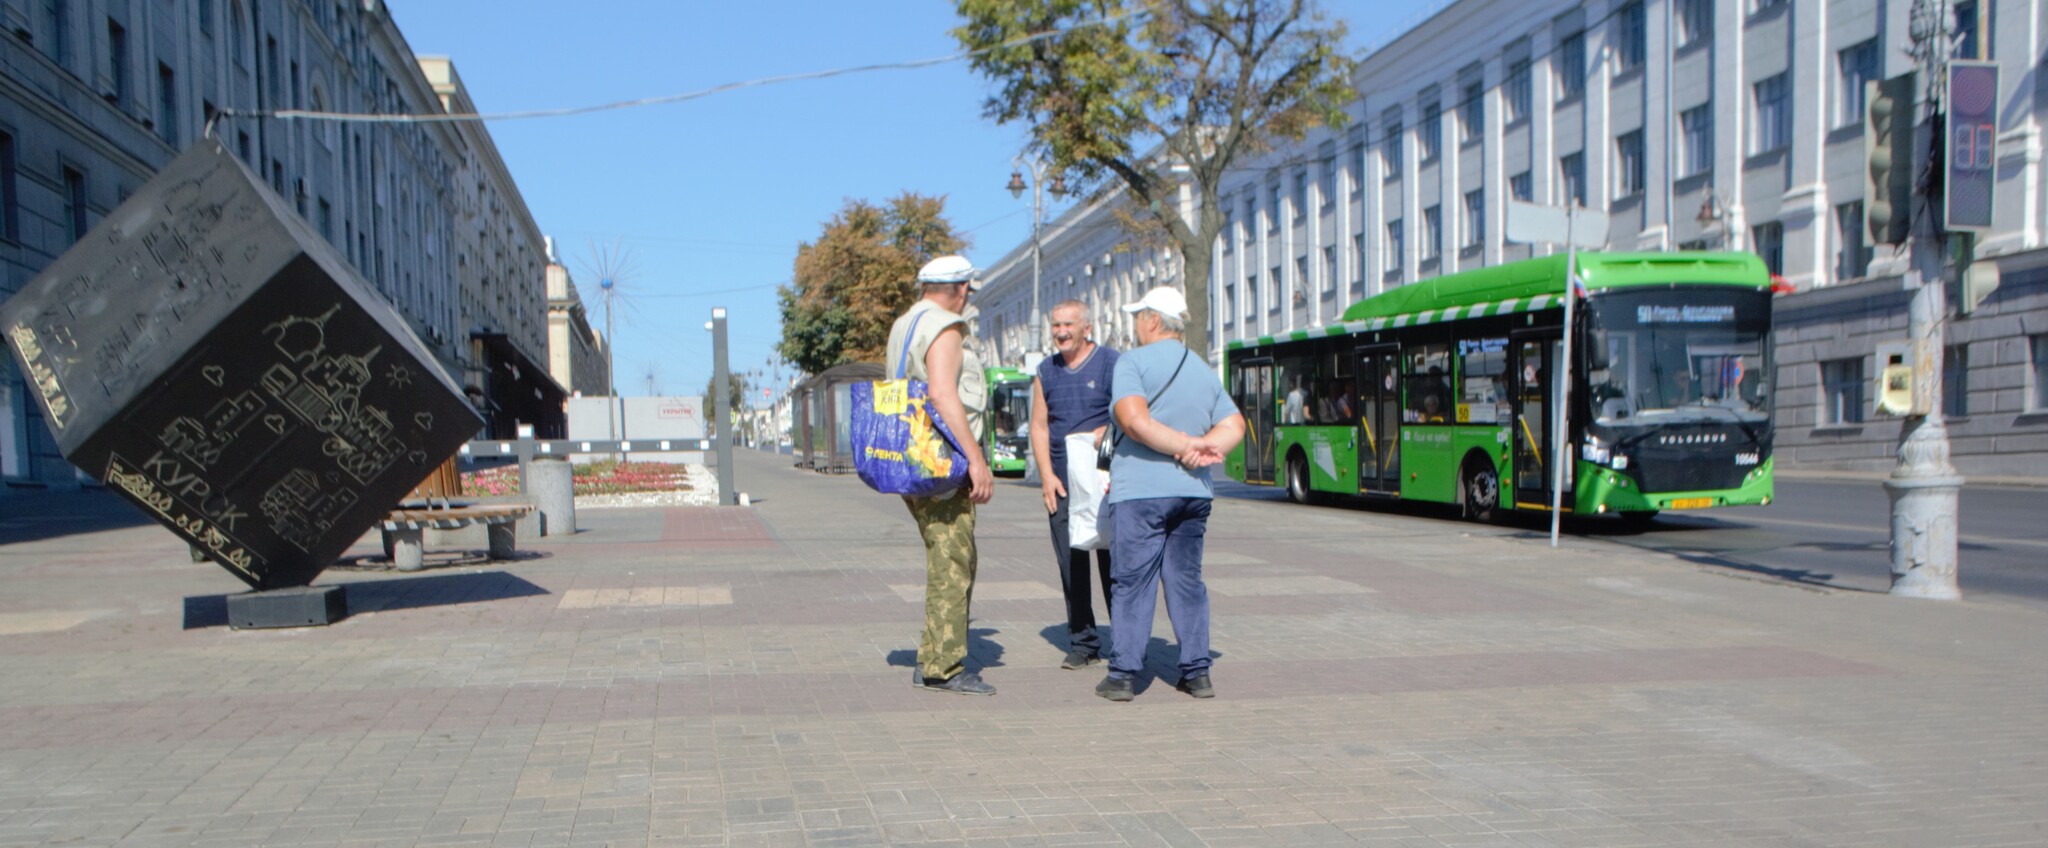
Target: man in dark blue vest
(1071, 395)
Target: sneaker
(1079, 658)
(1116, 689)
(1197, 685)
(964, 683)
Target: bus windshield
(1679, 354)
(1009, 410)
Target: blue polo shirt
(1194, 403)
(1076, 399)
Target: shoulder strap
(909, 335)
(1116, 435)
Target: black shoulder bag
(1105, 448)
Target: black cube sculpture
(213, 359)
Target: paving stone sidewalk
(708, 676)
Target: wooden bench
(404, 529)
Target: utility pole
(1038, 191)
(721, 407)
(1924, 486)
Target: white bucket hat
(950, 269)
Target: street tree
(1157, 94)
(860, 274)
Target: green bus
(1442, 390)
(1008, 443)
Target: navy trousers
(1158, 542)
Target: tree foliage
(1159, 93)
(860, 274)
(737, 397)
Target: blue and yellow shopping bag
(900, 447)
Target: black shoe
(1197, 685)
(1079, 658)
(1116, 689)
(964, 683)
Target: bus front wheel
(1297, 479)
(1481, 501)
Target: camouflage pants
(947, 525)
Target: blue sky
(709, 198)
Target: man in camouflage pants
(928, 343)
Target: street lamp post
(1038, 192)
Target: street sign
(1529, 223)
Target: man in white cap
(1178, 421)
(928, 343)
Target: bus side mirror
(1596, 357)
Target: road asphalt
(736, 676)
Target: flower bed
(608, 477)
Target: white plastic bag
(1085, 487)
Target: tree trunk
(1195, 280)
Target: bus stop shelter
(824, 410)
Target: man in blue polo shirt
(1071, 395)
(1178, 421)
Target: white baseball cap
(950, 269)
(1165, 300)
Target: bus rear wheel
(1481, 489)
(1298, 489)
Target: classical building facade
(96, 95)
(575, 350)
(1693, 124)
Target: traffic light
(1971, 169)
(1888, 150)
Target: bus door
(1536, 356)
(1378, 388)
(1255, 399)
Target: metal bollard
(553, 490)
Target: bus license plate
(1692, 503)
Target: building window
(1301, 281)
(1841, 386)
(1970, 40)
(2038, 398)
(1571, 66)
(1955, 381)
(1273, 288)
(1474, 225)
(1697, 125)
(1229, 304)
(1273, 204)
(1773, 113)
(74, 204)
(1852, 260)
(1472, 112)
(1695, 22)
(1571, 179)
(1517, 90)
(1251, 215)
(1390, 147)
(1329, 280)
(1628, 165)
(117, 61)
(1357, 158)
(275, 76)
(1855, 66)
(1300, 209)
(57, 27)
(1770, 245)
(1229, 232)
(1522, 187)
(1251, 293)
(10, 212)
(1432, 233)
(1632, 36)
(1392, 251)
(235, 46)
(206, 17)
(1429, 138)
(326, 220)
(166, 104)
(1326, 178)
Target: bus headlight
(1595, 451)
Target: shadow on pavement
(398, 593)
(982, 651)
(52, 514)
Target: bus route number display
(1686, 314)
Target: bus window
(1428, 396)
(1334, 405)
(1297, 386)
(1481, 362)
